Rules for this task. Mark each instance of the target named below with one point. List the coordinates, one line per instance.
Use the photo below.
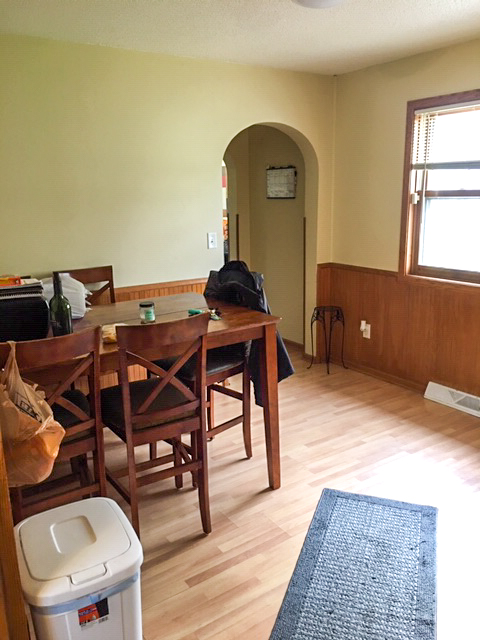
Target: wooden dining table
(235, 324)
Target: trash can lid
(75, 548)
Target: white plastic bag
(73, 290)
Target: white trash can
(80, 572)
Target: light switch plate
(211, 240)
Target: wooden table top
(236, 324)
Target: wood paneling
(421, 330)
(142, 291)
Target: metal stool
(335, 314)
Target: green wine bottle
(60, 309)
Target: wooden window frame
(411, 212)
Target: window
(442, 188)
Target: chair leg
(246, 423)
(210, 411)
(202, 480)
(178, 460)
(153, 450)
(99, 465)
(79, 466)
(194, 447)
(132, 487)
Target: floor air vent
(452, 398)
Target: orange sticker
(93, 613)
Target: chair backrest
(95, 275)
(59, 366)
(141, 344)
(55, 364)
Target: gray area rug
(366, 571)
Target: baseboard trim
(298, 345)
(386, 377)
(291, 343)
(380, 375)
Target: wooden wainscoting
(142, 291)
(420, 330)
(137, 292)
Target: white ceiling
(273, 33)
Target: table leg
(270, 409)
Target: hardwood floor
(345, 431)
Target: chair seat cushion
(218, 360)
(112, 404)
(64, 416)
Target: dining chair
(222, 364)
(57, 365)
(97, 280)
(160, 408)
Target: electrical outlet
(211, 240)
(366, 332)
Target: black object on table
(23, 318)
(335, 314)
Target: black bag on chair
(236, 284)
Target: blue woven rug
(366, 571)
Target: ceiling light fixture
(318, 4)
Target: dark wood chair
(57, 365)
(101, 277)
(222, 363)
(160, 408)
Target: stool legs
(335, 315)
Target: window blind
(447, 138)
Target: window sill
(414, 279)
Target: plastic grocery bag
(31, 436)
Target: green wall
(112, 156)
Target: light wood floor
(345, 431)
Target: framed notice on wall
(281, 182)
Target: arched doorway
(270, 234)
(226, 223)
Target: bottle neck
(57, 284)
